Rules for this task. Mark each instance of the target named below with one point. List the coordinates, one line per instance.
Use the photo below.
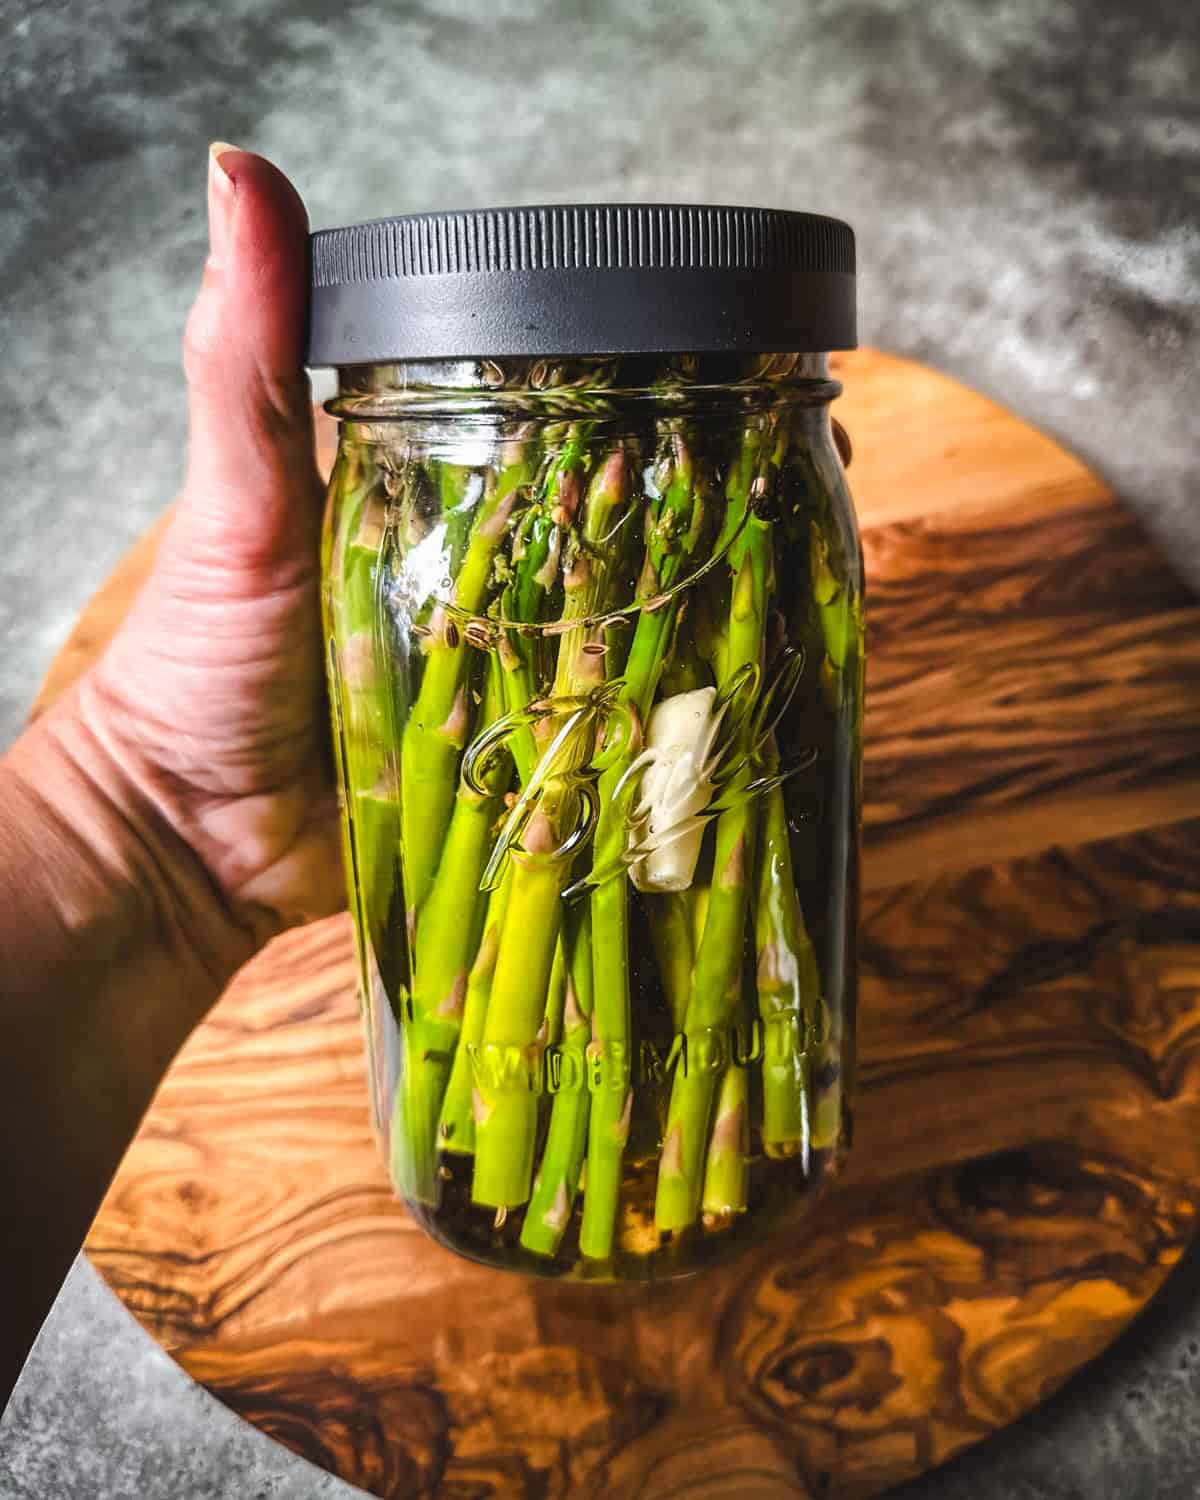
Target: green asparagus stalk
(524, 599)
(519, 690)
(368, 749)
(348, 489)
(670, 916)
(839, 616)
(727, 1169)
(715, 986)
(557, 1180)
(506, 1120)
(436, 729)
(506, 1096)
(450, 902)
(832, 601)
(556, 1001)
(842, 624)
(789, 989)
(609, 1052)
(372, 813)
(343, 483)
(353, 702)
(711, 1005)
(444, 950)
(710, 619)
(841, 621)
(537, 555)
(684, 669)
(454, 483)
(456, 1130)
(674, 524)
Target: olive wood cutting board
(1027, 1162)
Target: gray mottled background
(1025, 180)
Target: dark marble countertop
(1024, 176)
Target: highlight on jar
(595, 651)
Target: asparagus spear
(436, 729)
(839, 615)
(727, 1169)
(715, 983)
(506, 1119)
(506, 1095)
(789, 988)
(454, 483)
(673, 529)
(841, 622)
(711, 1003)
(369, 742)
(831, 599)
(362, 693)
(349, 487)
(557, 1180)
(445, 947)
(550, 1031)
(684, 669)
(456, 1130)
(537, 554)
(670, 916)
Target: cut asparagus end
(608, 1132)
(505, 1134)
(727, 1171)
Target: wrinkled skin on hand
(210, 700)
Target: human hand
(210, 700)
(175, 808)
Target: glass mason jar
(595, 652)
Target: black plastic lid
(581, 279)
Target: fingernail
(222, 196)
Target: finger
(253, 494)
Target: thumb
(253, 497)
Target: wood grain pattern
(1023, 675)
(1028, 1126)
